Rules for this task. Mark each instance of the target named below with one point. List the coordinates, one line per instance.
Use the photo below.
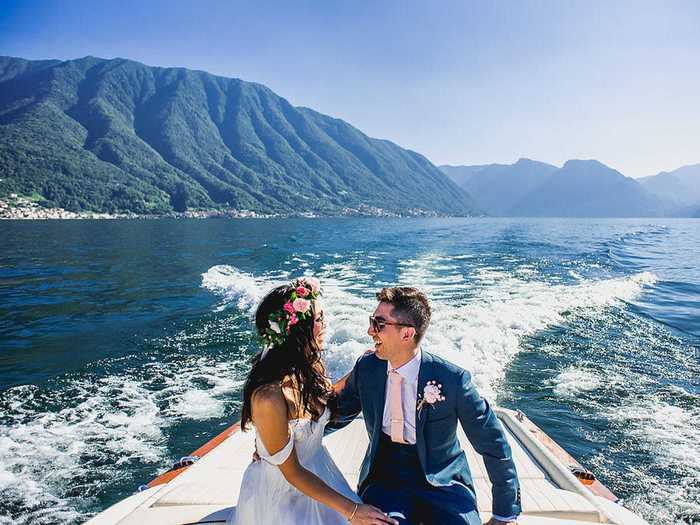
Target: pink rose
(314, 283)
(301, 305)
(302, 291)
(288, 307)
(293, 319)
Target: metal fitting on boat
(142, 488)
(185, 461)
(583, 475)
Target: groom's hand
(494, 521)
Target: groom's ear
(409, 333)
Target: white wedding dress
(266, 498)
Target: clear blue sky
(461, 82)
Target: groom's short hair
(410, 306)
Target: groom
(414, 468)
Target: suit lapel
(424, 375)
(380, 386)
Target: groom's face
(388, 340)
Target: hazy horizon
(465, 84)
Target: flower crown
(298, 307)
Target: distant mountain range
(580, 188)
(500, 187)
(678, 189)
(117, 135)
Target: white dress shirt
(409, 398)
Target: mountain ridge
(569, 192)
(580, 188)
(500, 186)
(126, 136)
(679, 188)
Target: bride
(286, 397)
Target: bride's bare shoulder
(268, 398)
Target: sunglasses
(378, 324)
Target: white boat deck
(207, 492)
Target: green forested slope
(116, 135)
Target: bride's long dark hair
(298, 357)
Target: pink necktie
(396, 407)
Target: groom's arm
(346, 402)
(487, 436)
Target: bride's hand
(369, 515)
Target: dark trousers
(397, 485)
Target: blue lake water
(123, 344)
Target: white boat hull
(207, 491)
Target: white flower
(275, 327)
(432, 393)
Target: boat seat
(541, 498)
(209, 492)
(527, 466)
(218, 484)
(198, 494)
(181, 515)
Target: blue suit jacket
(444, 462)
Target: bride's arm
(269, 411)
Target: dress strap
(280, 457)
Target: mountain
(588, 188)
(500, 186)
(581, 188)
(117, 135)
(461, 175)
(680, 189)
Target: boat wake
(479, 331)
(638, 384)
(59, 445)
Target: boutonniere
(432, 393)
